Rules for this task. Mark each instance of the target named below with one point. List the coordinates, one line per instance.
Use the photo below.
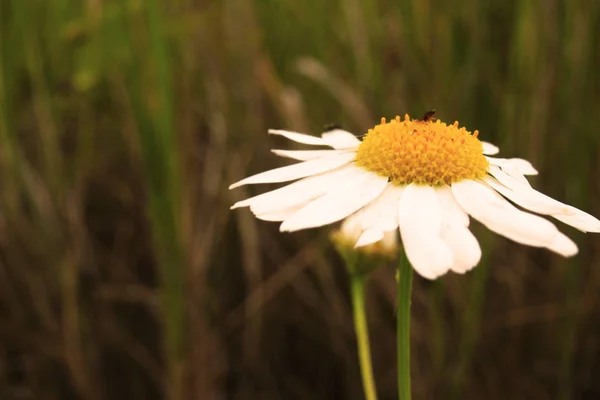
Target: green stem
(403, 328)
(357, 288)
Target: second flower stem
(357, 289)
(405, 274)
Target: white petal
(369, 236)
(524, 166)
(299, 137)
(338, 203)
(525, 196)
(515, 167)
(300, 191)
(579, 219)
(540, 203)
(297, 171)
(382, 212)
(341, 139)
(429, 255)
(420, 221)
(279, 215)
(508, 170)
(563, 246)
(378, 218)
(464, 246)
(455, 221)
(310, 189)
(305, 155)
(489, 148)
(489, 208)
(452, 212)
(338, 139)
(517, 175)
(519, 164)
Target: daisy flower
(422, 177)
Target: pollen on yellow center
(424, 152)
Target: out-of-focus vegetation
(123, 273)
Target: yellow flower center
(423, 152)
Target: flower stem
(357, 288)
(403, 327)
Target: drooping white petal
(455, 232)
(510, 171)
(341, 139)
(279, 215)
(338, 203)
(579, 220)
(382, 213)
(519, 164)
(369, 236)
(517, 175)
(452, 212)
(489, 148)
(302, 190)
(309, 189)
(305, 155)
(563, 245)
(297, 171)
(299, 137)
(420, 221)
(517, 168)
(465, 248)
(429, 255)
(525, 196)
(524, 166)
(497, 214)
(540, 203)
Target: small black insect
(332, 127)
(429, 116)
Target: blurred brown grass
(123, 273)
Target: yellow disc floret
(423, 152)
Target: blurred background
(123, 273)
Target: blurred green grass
(123, 274)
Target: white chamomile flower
(424, 178)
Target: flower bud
(363, 259)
